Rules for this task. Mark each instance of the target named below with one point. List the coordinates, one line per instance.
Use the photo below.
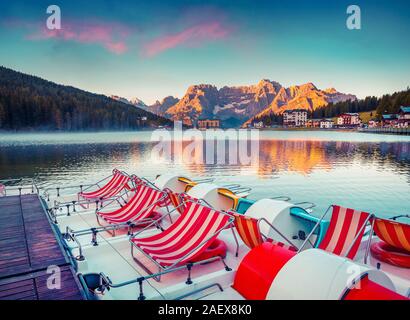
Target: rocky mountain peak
(161, 107)
(266, 83)
(201, 89)
(240, 104)
(330, 90)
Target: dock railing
(10, 187)
(399, 131)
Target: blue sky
(153, 49)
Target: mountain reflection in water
(373, 175)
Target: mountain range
(28, 102)
(239, 105)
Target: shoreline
(309, 129)
(388, 131)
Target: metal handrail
(105, 281)
(369, 241)
(285, 198)
(10, 180)
(199, 290)
(20, 188)
(73, 203)
(369, 218)
(311, 205)
(242, 190)
(204, 180)
(69, 187)
(14, 184)
(314, 229)
(231, 186)
(400, 216)
(276, 230)
(14, 180)
(70, 236)
(150, 183)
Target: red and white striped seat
(118, 182)
(141, 206)
(345, 226)
(187, 238)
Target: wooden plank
(9, 200)
(22, 283)
(27, 295)
(28, 246)
(16, 290)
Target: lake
(369, 172)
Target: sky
(152, 49)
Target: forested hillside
(28, 102)
(389, 103)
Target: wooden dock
(399, 131)
(28, 247)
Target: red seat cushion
(154, 216)
(217, 248)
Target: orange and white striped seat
(177, 200)
(346, 226)
(248, 230)
(394, 247)
(393, 233)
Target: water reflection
(297, 156)
(275, 156)
(372, 175)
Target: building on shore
(259, 125)
(389, 120)
(326, 124)
(313, 123)
(208, 123)
(374, 123)
(295, 118)
(348, 120)
(403, 117)
(187, 121)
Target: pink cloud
(190, 37)
(111, 36)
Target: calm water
(363, 171)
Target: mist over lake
(364, 171)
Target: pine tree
(2, 116)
